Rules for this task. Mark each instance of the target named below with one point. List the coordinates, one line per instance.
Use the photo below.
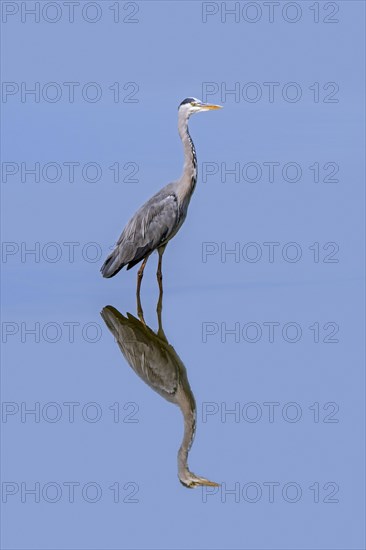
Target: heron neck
(189, 176)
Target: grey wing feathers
(153, 359)
(149, 228)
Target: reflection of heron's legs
(140, 274)
(140, 312)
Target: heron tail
(112, 265)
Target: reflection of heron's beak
(209, 107)
(192, 481)
(204, 481)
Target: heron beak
(209, 107)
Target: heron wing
(152, 226)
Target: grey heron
(160, 218)
(156, 362)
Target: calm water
(263, 285)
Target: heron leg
(159, 309)
(140, 274)
(159, 276)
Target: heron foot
(140, 313)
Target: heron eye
(193, 103)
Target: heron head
(192, 105)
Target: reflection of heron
(155, 361)
(159, 219)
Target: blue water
(263, 285)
